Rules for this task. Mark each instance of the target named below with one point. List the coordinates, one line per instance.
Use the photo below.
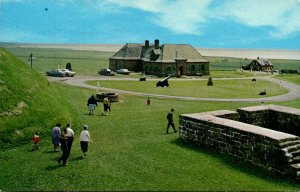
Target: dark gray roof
(263, 62)
(165, 54)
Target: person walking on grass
(55, 136)
(170, 121)
(84, 140)
(92, 104)
(148, 101)
(70, 137)
(36, 140)
(64, 147)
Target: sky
(246, 24)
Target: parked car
(123, 71)
(107, 72)
(55, 73)
(68, 73)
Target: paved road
(294, 90)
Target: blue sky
(249, 24)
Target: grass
(197, 88)
(295, 78)
(130, 150)
(83, 62)
(44, 106)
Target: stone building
(259, 65)
(160, 60)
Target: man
(170, 121)
(70, 137)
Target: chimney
(156, 44)
(146, 43)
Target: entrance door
(180, 70)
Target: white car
(123, 71)
(68, 73)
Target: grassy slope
(44, 106)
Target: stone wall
(264, 147)
(280, 118)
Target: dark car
(107, 72)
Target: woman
(84, 140)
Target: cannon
(163, 83)
(112, 97)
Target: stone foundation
(242, 134)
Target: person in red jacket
(36, 140)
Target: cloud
(181, 16)
(281, 16)
(190, 17)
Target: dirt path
(294, 90)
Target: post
(30, 57)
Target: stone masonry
(247, 134)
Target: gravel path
(294, 90)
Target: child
(148, 101)
(36, 140)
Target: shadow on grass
(53, 167)
(238, 164)
(79, 158)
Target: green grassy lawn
(83, 62)
(132, 152)
(293, 78)
(199, 88)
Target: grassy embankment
(130, 150)
(27, 102)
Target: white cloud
(282, 15)
(188, 17)
(179, 16)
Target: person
(56, 136)
(36, 140)
(84, 140)
(148, 101)
(64, 147)
(106, 104)
(170, 121)
(92, 104)
(70, 137)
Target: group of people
(92, 104)
(65, 140)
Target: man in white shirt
(70, 137)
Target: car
(55, 73)
(107, 72)
(68, 73)
(123, 71)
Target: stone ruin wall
(227, 132)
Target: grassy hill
(27, 102)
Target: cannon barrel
(163, 83)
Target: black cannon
(263, 92)
(163, 83)
(143, 79)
